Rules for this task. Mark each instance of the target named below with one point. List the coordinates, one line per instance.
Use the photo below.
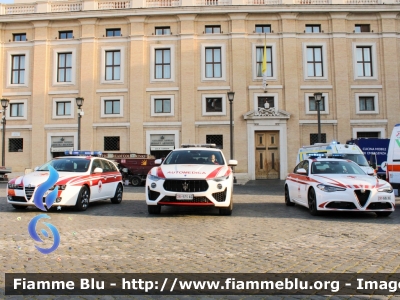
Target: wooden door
(267, 154)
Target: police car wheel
(383, 213)
(312, 202)
(19, 206)
(287, 197)
(154, 209)
(82, 202)
(118, 195)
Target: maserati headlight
(223, 178)
(329, 188)
(153, 178)
(60, 187)
(386, 189)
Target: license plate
(184, 196)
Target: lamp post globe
(79, 103)
(4, 104)
(318, 98)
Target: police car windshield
(67, 165)
(203, 157)
(357, 158)
(336, 167)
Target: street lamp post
(231, 96)
(79, 103)
(4, 103)
(318, 98)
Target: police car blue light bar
(83, 153)
(199, 145)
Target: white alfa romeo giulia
(336, 184)
(195, 175)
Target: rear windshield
(202, 157)
(67, 165)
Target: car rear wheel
(136, 181)
(312, 202)
(19, 206)
(226, 211)
(154, 209)
(82, 202)
(118, 195)
(383, 213)
(287, 197)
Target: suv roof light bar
(199, 145)
(83, 153)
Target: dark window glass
(16, 109)
(15, 145)
(19, 37)
(163, 30)
(18, 69)
(64, 73)
(163, 63)
(263, 28)
(366, 103)
(314, 138)
(364, 61)
(314, 62)
(113, 32)
(366, 134)
(63, 108)
(162, 105)
(213, 104)
(260, 57)
(362, 28)
(217, 139)
(111, 143)
(65, 34)
(313, 28)
(266, 102)
(113, 65)
(213, 29)
(312, 104)
(213, 62)
(112, 107)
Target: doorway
(267, 160)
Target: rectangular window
(64, 67)
(63, 108)
(313, 28)
(217, 139)
(163, 30)
(213, 63)
(314, 62)
(213, 29)
(113, 65)
(112, 107)
(366, 103)
(111, 143)
(113, 32)
(314, 138)
(366, 134)
(364, 61)
(312, 104)
(163, 63)
(263, 28)
(259, 61)
(18, 69)
(15, 145)
(362, 28)
(65, 35)
(16, 109)
(19, 37)
(213, 104)
(266, 102)
(162, 105)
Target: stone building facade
(155, 75)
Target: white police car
(83, 177)
(194, 175)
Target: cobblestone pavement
(262, 235)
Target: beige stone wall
(188, 85)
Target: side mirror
(302, 171)
(98, 170)
(158, 161)
(232, 162)
(370, 172)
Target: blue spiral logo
(38, 201)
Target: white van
(345, 151)
(393, 160)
